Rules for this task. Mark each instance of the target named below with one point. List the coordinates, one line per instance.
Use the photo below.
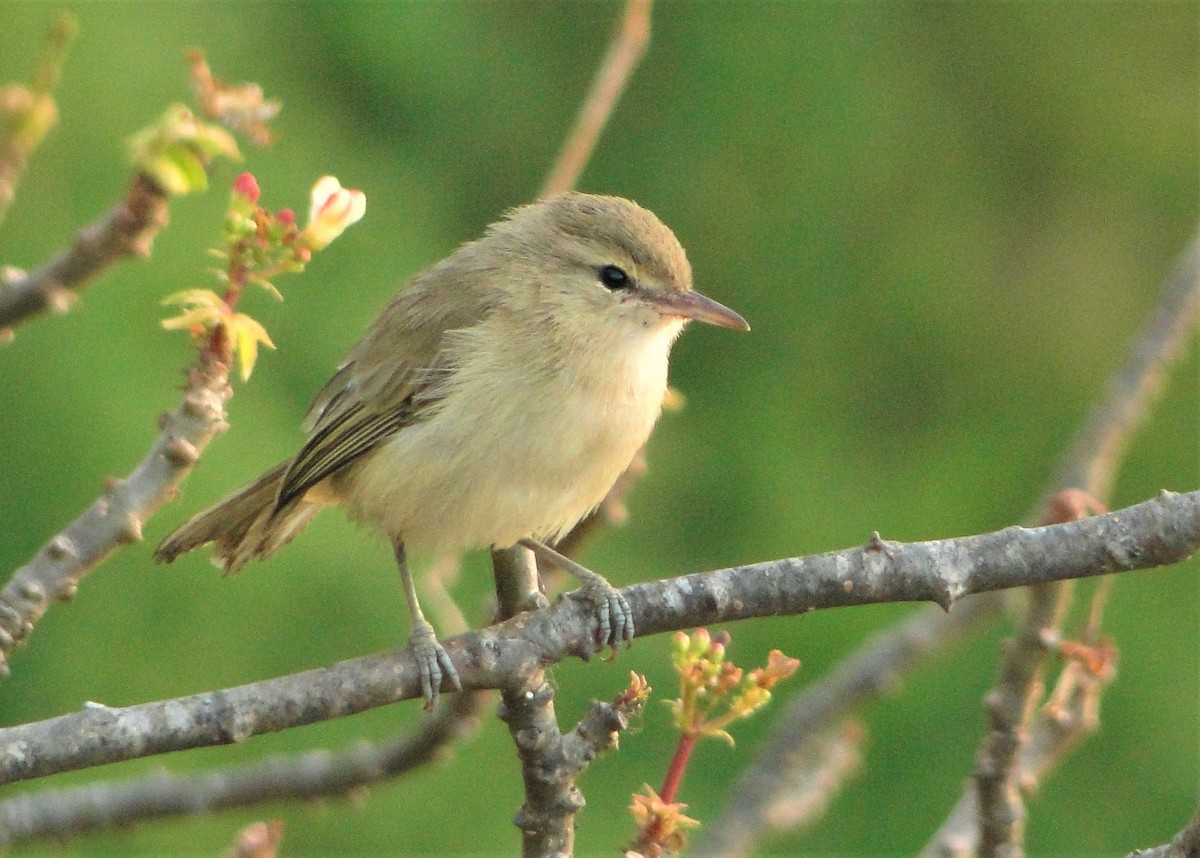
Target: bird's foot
(616, 617)
(432, 661)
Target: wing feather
(387, 380)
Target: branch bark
(127, 230)
(1089, 466)
(116, 517)
(316, 774)
(1154, 533)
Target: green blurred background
(945, 223)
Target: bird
(493, 403)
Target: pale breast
(524, 448)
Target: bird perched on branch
(494, 402)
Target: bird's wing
(382, 386)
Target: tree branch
(127, 230)
(1154, 533)
(1089, 466)
(116, 517)
(316, 774)
(1090, 462)
(1072, 714)
(624, 53)
(865, 674)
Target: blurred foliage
(945, 223)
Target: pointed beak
(693, 305)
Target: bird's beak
(693, 305)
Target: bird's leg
(616, 619)
(432, 660)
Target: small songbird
(494, 402)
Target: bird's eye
(614, 277)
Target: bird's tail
(243, 526)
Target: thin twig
(116, 517)
(624, 53)
(1089, 465)
(127, 230)
(1058, 728)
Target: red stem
(683, 752)
(218, 342)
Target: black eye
(615, 278)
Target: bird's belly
(458, 481)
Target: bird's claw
(432, 661)
(616, 617)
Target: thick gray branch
(1155, 533)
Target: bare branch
(551, 762)
(116, 517)
(1009, 706)
(1089, 466)
(1058, 728)
(872, 670)
(1154, 533)
(1089, 462)
(624, 53)
(127, 230)
(317, 774)
(1092, 459)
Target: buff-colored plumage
(497, 398)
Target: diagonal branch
(624, 53)
(127, 230)
(116, 517)
(1090, 461)
(1089, 466)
